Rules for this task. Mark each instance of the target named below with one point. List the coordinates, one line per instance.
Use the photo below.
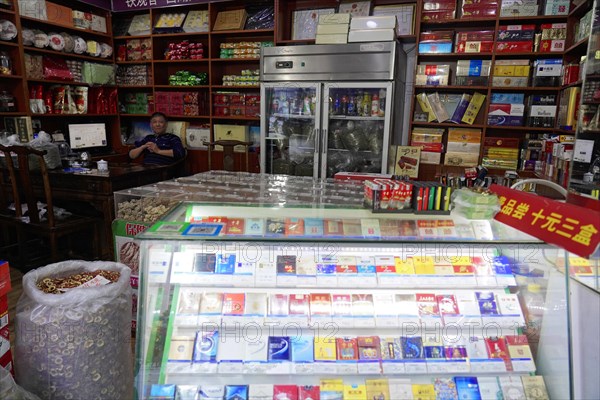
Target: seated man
(160, 148)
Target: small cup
(102, 166)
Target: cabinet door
(356, 127)
(290, 127)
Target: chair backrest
(229, 153)
(19, 174)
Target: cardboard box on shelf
(4, 278)
(58, 14)
(230, 20)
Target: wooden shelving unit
(573, 50)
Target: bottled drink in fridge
(375, 106)
(366, 106)
(382, 103)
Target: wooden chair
(229, 154)
(19, 169)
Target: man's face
(158, 124)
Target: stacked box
(519, 8)
(137, 103)
(178, 103)
(542, 109)
(133, 75)
(478, 9)
(430, 142)
(438, 10)
(511, 73)
(472, 72)
(547, 72)
(506, 109)
(531, 153)
(515, 38)
(474, 41)
(556, 7)
(553, 38)
(500, 153)
(584, 27)
(432, 74)
(333, 29)
(436, 42)
(463, 147)
(567, 111)
(372, 29)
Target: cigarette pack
(368, 348)
(445, 388)
(236, 392)
(423, 391)
(278, 304)
(279, 348)
(333, 227)
(308, 392)
(496, 347)
(205, 347)
(275, 226)
(230, 350)
(355, 392)
(188, 306)
(303, 349)
(362, 305)
(427, 304)
(235, 226)
(473, 108)
(211, 303)
(447, 304)
(286, 265)
(346, 264)
(412, 347)
(313, 227)
(467, 387)
(390, 348)
(352, 228)
(294, 227)
(288, 392)
(181, 349)
(487, 303)
(320, 304)
(512, 387)
(489, 388)
(299, 304)
(205, 262)
(341, 304)
(535, 388)
(325, 348)
(347, 349)
(256, 304)
(378, 389)
(254, 227)
(233, 303)
(257, 350)
(225, 263)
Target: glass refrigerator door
(290, 122)
(356, 127)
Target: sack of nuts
(73, 331)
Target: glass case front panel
(357, 126)
(248, 316)
(259, 314)
(292, 129)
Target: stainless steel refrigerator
(330, 108)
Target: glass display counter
(263, 302)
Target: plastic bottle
(336, 104)
(382, 102)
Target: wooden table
(97, 189)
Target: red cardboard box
(4, 278)
(3, 311)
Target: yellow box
(404, 267)
(325, 349)
(511, 70)
(231, 132)
(463, 135)
(473, 108)
(355, 392)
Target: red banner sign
(573, 228)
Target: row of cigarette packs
(449, 388)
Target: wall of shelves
(574, 49)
